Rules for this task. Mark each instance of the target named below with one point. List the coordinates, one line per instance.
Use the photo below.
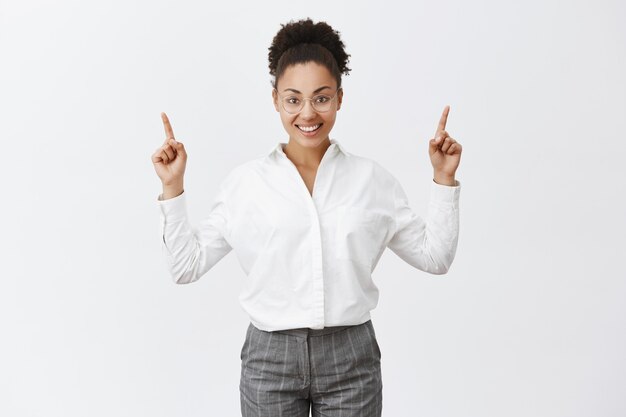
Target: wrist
(171, 191)
(444, 179)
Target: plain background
(529, 321)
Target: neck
(306, 156)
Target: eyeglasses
(293, 104)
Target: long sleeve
(191, 252)
(428, 245)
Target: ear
(275, 99)
(339, 98)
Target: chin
(309, 142)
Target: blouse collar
(334, 146)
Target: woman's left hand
(445, 152)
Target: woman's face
(306, 81)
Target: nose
(307, 111)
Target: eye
(322, 99)
(292, 100)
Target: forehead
(306, 77)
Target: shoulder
(241, 174)
(243, 169)
(378, 172)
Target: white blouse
(308, 259)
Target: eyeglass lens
(321, 103)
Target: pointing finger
(442, 121)
(169, 132)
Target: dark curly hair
(303, 41)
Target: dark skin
(304, 151)
(308, 175)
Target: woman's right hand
(170, 158)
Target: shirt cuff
(445, 193)
(174, 208)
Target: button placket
(316, 236)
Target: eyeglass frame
(308, 98)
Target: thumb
(434, 144)
(180, 149)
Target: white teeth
(308, 129)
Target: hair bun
(300, 38)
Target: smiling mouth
(309, 130)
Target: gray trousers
(334, 371)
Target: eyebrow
(299, 92)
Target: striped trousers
(329, 372)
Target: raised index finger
(169, 132)
(442, 121)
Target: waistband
(308, 332)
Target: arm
(428, 245)
(191, 252)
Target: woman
(309, 222)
